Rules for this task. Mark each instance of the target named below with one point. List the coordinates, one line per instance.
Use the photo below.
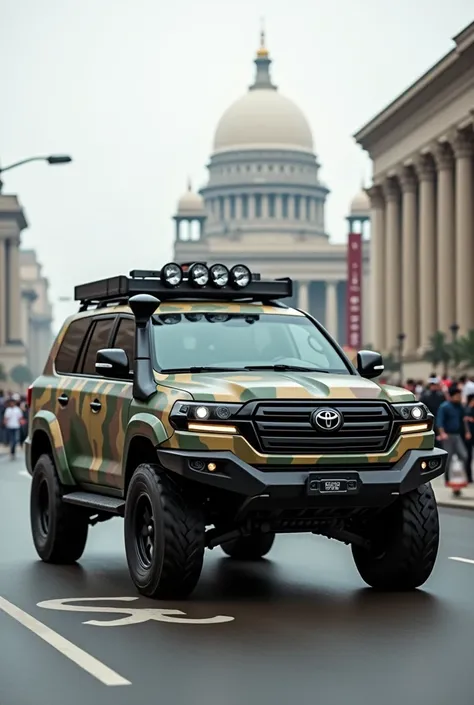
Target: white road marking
(81, 658)
(461, 560)
(135, 616)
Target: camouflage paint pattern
(92, 447)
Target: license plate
(332, 485)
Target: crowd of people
(451, 401)
(13, 421)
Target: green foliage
(455, 354)
(391, 363)
(21, 375)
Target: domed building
(264, 203)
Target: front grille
(285, 427)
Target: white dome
(263, 119)
(190, 203)
(360, 204)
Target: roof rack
(117, 290)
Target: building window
(308, 208)
(245, 206)
(284, 206)
(297, 207)
(258, 206)
(232, 206)
(271, 205)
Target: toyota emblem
(326, 419)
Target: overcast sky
(133, 90)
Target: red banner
(354, 292)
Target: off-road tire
(178, 541)
(406, 536)
(59, 530)
(249, 548)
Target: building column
(392, 279)
(446, 262)
(463, 151)
(377, 264)
(409, 261)
(14, 293)
(303, 296)
(331, 308)
(3, 294)
(427, 249)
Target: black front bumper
(354, 485)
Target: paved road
(304, 630)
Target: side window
(99, 339)
(125, 338)
(70, 347)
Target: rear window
(68, 353)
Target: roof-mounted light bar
(191, 280)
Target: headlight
(171, 274)
(240, 276)
(199, 274)
(412, 417)
(202, 417)
(219, 275)
(410, 411)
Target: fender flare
(46, 421)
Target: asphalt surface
(304, 627)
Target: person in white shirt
(12, 418)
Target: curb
(452, 505)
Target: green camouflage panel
(238, 445)
(91, 446)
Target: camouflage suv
(194, 403)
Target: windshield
(240, 340)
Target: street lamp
(52, 159)
(400, 337)
(454, 328)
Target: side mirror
(369, 364)
(112, 362)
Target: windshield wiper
(196, 370)
(285, 368)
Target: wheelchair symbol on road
(133, 616)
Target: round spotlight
(171, 274)
(199, 274)
(417, 412)
(223, 412)
(219, 275)
(241, 275)
(202, 412)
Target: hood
(249, 386)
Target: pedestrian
(453, 426)
(432, 398)
(469, 443)
(12, 418)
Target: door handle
(63, 400)
(96, 406)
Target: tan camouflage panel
(264, 385)
(242, 449)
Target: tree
(21, 375)
(464, 351)
(439, 351)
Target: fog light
(211, 467)
(197, 464)
(434, 464)
(423, 465)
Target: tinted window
(125, 338)
(98, 340)
(71, 345)
(237, 340)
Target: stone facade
(37, 312)
(422, 234)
